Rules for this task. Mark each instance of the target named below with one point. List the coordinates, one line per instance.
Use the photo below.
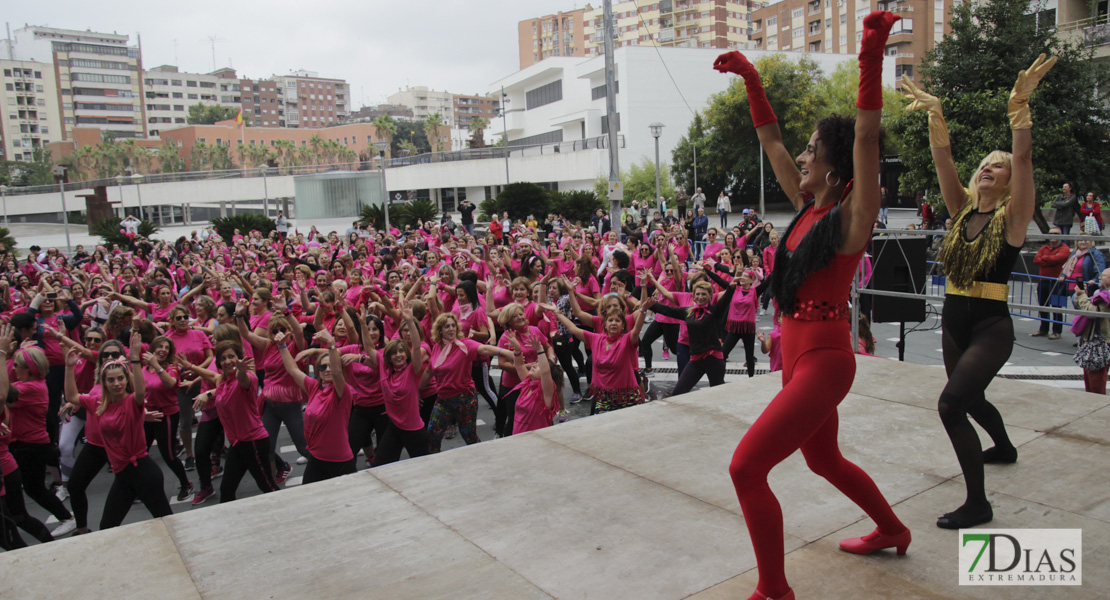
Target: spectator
(1067, 206)
(680, 202)
(466, 212)
(698, 200)
(724, 206)
(700, 228)
(1050, 258)
(1091, 208)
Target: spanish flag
(239, 117)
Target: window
(599, 91)
(797, 13)
(843, 18)
(900, 70)
(772, 21)
(798, 32)
(545, 94)
(902, 26)
(190, 84)
(193, 96)
(179, 107)
(176, 82)
(98, 78)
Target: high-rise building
(30, 100)
(467, 108)
(836, 26)
(676, 23)
(424, 102)
(305, 100)
(560, 34)
(169, 93)
(263, 103)
(369, 113)
(98, 77)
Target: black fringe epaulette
(813, 253)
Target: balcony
(1092, 32)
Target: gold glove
(919, 100)
(1027, 81)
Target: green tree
(477, 132)
(7, 242)
(169, 158)
(411, 131)
(639, 183)
(972, 72)
(520, 200)
(40, 171)
(385, 128)
(433, 128)
(200, 114)
(576, 206)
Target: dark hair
(836, 137)
(471, 292)
(620, 257)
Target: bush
(372, 214)
(576, 206)
(245, 223)
(487, 209)
(522, 199)
(109, 231)
(7, 241)
(419, 211)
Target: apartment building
(369, 113)
(836, 26)
(672, 23)
(467, 108)
(98, 77)
(30, 99)
(169, 93)
(424, 101)
(307, 100)
(560, 34)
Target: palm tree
(384, 129)
(432, 124)
(409, 148)
(306, 155)
(286, 152)
(169, 159)
(315, 142)
(477, 127)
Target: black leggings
(366, 420)
(319, 470)
(9, 531)
(731, 339)
(17, 510)
(669, 333)
(506, 410)
(565, 351)
(483, 383)
(142, 480)
(163, 433)
(389, 449)
(253, 456)
(33, 460)
(712, 366)
(55, 383)
(89, 462)
(978, 338)
(210, 435)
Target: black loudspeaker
(898, 265)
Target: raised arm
(953, 192)
(241, 318)
(135, 355)
(287, 360)
(571, 327)
(1022, 192)
(71, 392)
(338, 379)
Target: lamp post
(119, 184)
(60, 173)
(4, 195)
(138, 180)
(505, 132)
(656, 131)
(265, 191)
(382, 146)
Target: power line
(655, 44)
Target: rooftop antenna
(175, 53)
(213, 40)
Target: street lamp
(382, 146)
(505, 132)
(656, 131)
(119, 184)
(4, 195)
(265, 190)
(60, 173)
(137, 179)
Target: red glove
(876, 30)
(734, 62)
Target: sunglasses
(181, 318)
(111, 355)
(322, 368)
(279, 330)
(94, 340)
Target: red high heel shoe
(758, 595)
(875, 541)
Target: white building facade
(31, 117)
(169, 94)
(424, 101)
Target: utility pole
(616, 188)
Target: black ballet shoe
(963, 518)
(1000, 456)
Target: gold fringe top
(965, 262)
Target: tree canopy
(200, 114)
(639, 182)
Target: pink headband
(29, 362)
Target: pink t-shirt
(402, 398)
(191, 344)
(160, 397)
(92, 422)
(7, 461)
(159, 314)
(325, 422)
(239, 411)
(612, 366)
(589, 288)
(531, 411)
(28, 422)
(121, 427)
(364, 385)
(508, 376)
(452, 369)
(280, 386)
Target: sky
(378, 46)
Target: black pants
(389, 449)
(89, 462)
(243, 457)
(17, 510)
(163, 433)
(565, 351)
(483, 383)
(506, 410)
(319, 470)
(1045, 289)
(142, 480)
(731, 339)
(711, 366)
(366, 422)
(33, 460)
(681, 212)
(9, 531)
(55, 384)
(210, 435)
(654, 331)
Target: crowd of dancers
(378, 343)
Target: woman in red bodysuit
(811, 284)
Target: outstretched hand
(876, 30)
(734, 62)
(1027, 81)
(920, 99)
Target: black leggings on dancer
(210, 435)
(978, 338)
(366, 422)
(669, 333)
(731, 339)
(319, 470)
(16, 512)
(506, 411)
(142, 480)
(565, 350)
(395, 439)
(243, 457)
(90, 461)
(483, 383)
(162, 432)
(712, 366)
(33, 460)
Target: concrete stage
(634, 504)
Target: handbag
(1093, 354)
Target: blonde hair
(120, 364)
(37, 356)
(973, 188)
(440, 323)
(508, 313)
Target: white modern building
(31, 117)
(169, 93)
(424, 101)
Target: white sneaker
(302, 460)
(61, 492)
(763, 312)
(65, 528)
